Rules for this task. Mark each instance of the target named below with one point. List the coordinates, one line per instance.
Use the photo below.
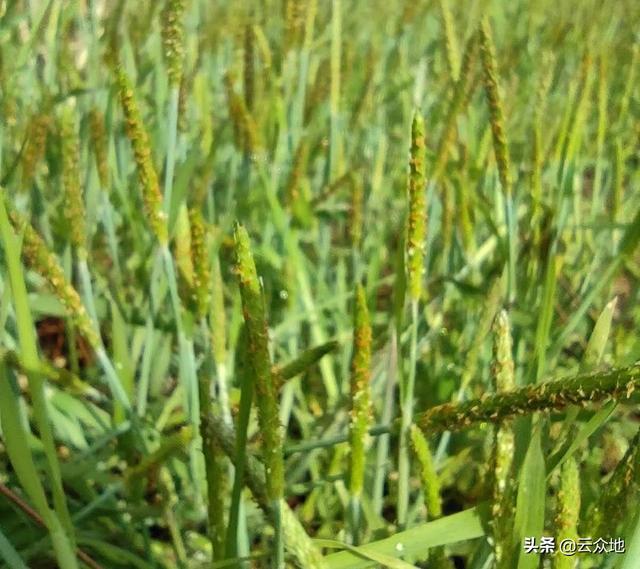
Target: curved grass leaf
(415, 543)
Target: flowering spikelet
(38, 256)
(568, 511)
(430, 481)
(183, 108)
(173, 39)
(294, 15)
(182, 254)
(74, 204)
(200, 262)
(360, 392)
(502, 506)
(450, 42)
(417, 218)
(456, 105)
(35, 146)
(245, 127)
(99, 144)
(266, 391)
(487, 55)
(147, 175)
(620, 383)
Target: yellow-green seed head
(99, 143)
(360, 391)
(147, 176)
(245, 128)
(35, 146)
(450, 41)
(456, 105)
(74, 203)
(417, 217)
(200, 262)
(173, 38)
(430, 480)
(38, 256)
(182, 253)
(489, 66)
(568, 510)
(266, 389)
(503, 369)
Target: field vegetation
(329, 284)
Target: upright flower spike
(266, 390)
(360, 403)
(73, 200)
(450, 41)
(35, 146)
(489, 67)
(173, 39)
(456, 105)
(38, 257)
(568, 511)
(245, 128)
(417, 218)
(430, 480)
(99, 145)
(502, 507)
(431, 489)
(151, 195)
(503, 368)
(200, 262)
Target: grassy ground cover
(321, 284)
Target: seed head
(173, 38)
(417, 218)
(360, 391)
(502, 357)
(568, 510)
(38, 256)
(35, 146)
(74, 204)
(200, 262)
(488, 58)
(450, 41)
(147, 175)
(266, 390)
(99, 143)
(430, 480)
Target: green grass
(191, 194)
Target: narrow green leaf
(529, 519)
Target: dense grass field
(328, 284)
